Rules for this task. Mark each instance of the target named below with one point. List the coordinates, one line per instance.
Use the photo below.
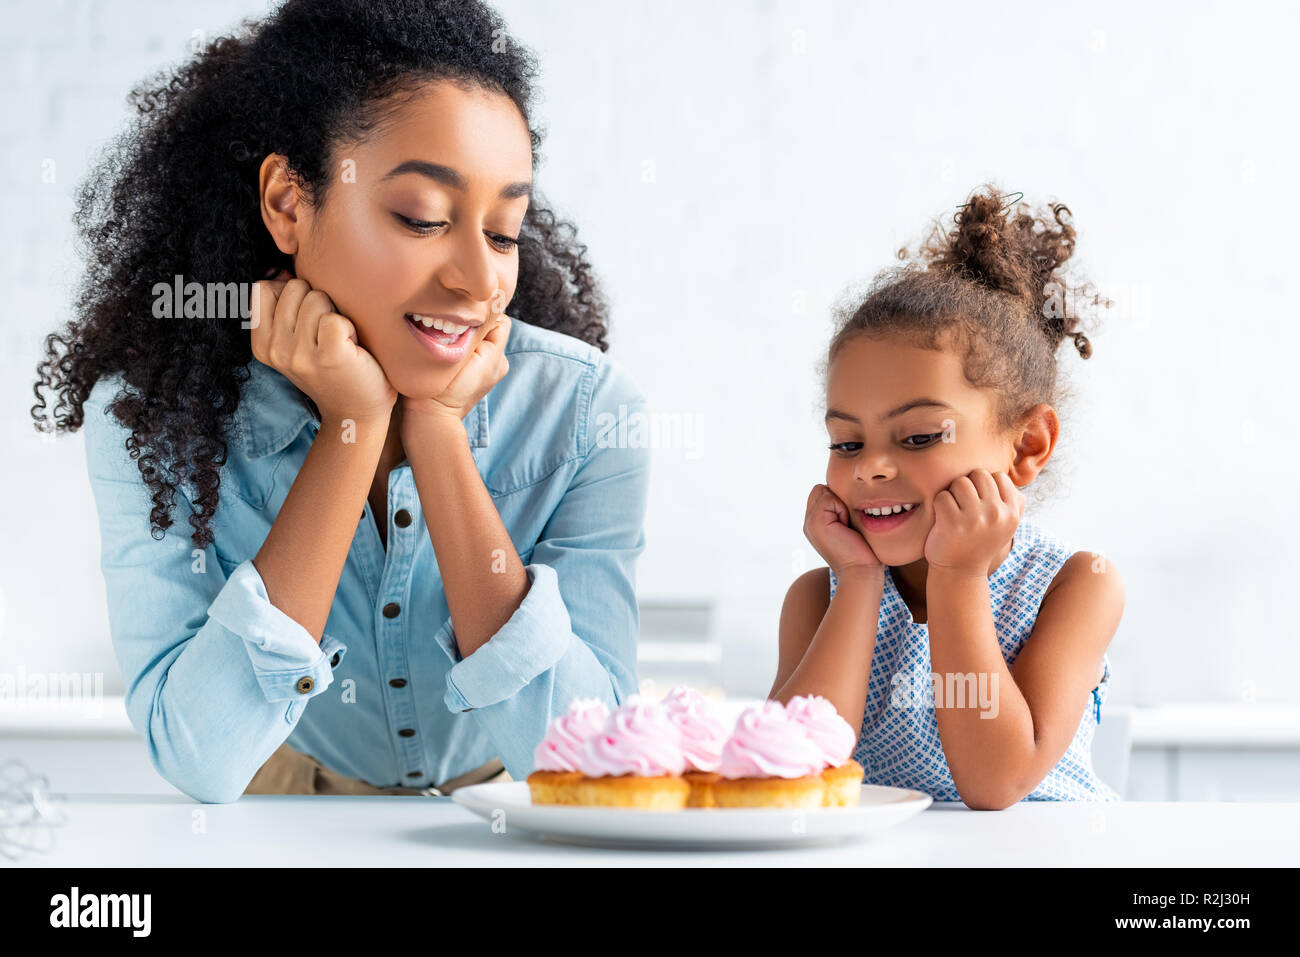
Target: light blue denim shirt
(217, 677)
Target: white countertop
(160, 831)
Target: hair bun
(993, 249)
(999, 244)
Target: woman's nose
(469, 268)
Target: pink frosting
(699, 726)
(768, 743)
(637, 738)
(824, 726)
(558, 751)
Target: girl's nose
(873, 468)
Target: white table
(175, 831)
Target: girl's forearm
(837, 663)
(984, 722)
(302, 558)
(482, 576)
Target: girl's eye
(848, 448)
(504, 243)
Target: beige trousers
(288, 771)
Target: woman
(370, 162)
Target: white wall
(779, 176)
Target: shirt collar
(273, 411)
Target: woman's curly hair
(991, 287)
(178, 194)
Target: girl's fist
(826, 525)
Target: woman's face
(880, 455)
(459, 165)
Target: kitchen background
(734, 167)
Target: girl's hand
(826, 526)
(974, 518)
(477, 377)
(296, 331)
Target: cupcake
(634, 761)
(702, 734)
(769, 761)
(834, 736)
(555, 759)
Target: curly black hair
(178, 194)
(992, 286)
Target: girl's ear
(1033, 444)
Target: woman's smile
(440, 337)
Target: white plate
(510, 804)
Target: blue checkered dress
(899, 742)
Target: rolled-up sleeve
(575, 632)
(282, 652)
(216, 676)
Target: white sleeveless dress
(898, 744)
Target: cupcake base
(843, 784)
(803, 792)
(554, 787)
(667, 792)
(701, 793)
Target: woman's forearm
(304, 553)
(482, 576)
(838, 660)
(988, 736)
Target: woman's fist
(296, 331)
(484, 368)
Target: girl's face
(904, 424)
(458, 165)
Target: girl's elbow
(992, 798)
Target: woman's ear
(282, 203)
(1033, 443)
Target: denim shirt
(217, 677)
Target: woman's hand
(297, 332)
(974, 519)
(481, 372)
(826, 526)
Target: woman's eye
(845, 448)
(504, 243)
(931, 437)
(419, 225)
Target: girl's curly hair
(991, 287)
(178, 194)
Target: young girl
(967, 644)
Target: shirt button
(392, 609)
(407, 732)
(334, 661)
(398, 682)
(305, 684)
(415, 774)
(402, 518)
